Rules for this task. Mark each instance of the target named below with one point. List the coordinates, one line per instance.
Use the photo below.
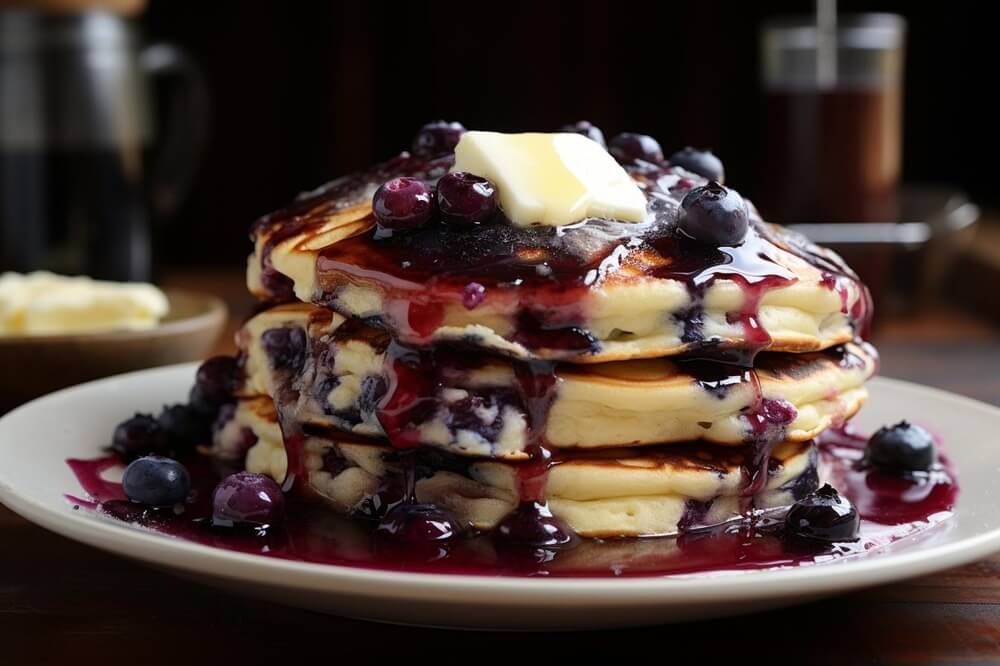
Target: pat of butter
(551, 179)
(43, 303)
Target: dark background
(305, 91)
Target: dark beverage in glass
(833, 139)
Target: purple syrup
(890, 510)
(881, 497)
(538, 276)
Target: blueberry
(156, 481)
(403, 203)
(285, 347)
(200, 403)
(714, 215)
(418, 523)
(217, 380)
(628, 148)
(588, 130)
(466, 199)
(185, 426)
(532, 524)
(903, 447)
(138, 436)
(824, 516)
(702, 162)
(245, 498)
(437, 138)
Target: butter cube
(551, 179)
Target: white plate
(36, 439)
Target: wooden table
(63, 603)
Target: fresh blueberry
(701, 162)
(588, 130)
(466, 199)
(202, 404)
(903, 447)
(418, 523)
(532, 524)
(437, 138)
(714, 215)
(824, 516)
(403, 203)
(156, 481)
(140, 435)
(217, 380)
(245, 498)
(285, 347)
(629, 148)
(185, 426)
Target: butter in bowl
(56, 331)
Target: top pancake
(595, 291)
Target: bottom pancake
(649, 491)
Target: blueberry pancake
(604, 493)
(599, 288)
(333, 373)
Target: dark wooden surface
(64, 603)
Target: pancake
(595, 291)
(608, 493)
(333, 373)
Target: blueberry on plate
(588, 130)
(214, 384)
(824, 517)
(418, 523)
(628, 148)
(715, 215)
(156, 481)
(437, 138)
(403, 203)
(702, 162)
(465, 199)
(141, 435)
(903, 447)
(247, 499)
(185, 426)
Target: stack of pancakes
(616, 376)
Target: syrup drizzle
(891, 509)
(538, 275)
(409, 395)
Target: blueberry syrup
(538, 276)
(891, 509)
(883, 497)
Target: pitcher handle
(185, 125)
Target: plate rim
(174, 553)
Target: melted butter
(551, 179)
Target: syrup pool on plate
(891, 508)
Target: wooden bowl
(33, 365)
